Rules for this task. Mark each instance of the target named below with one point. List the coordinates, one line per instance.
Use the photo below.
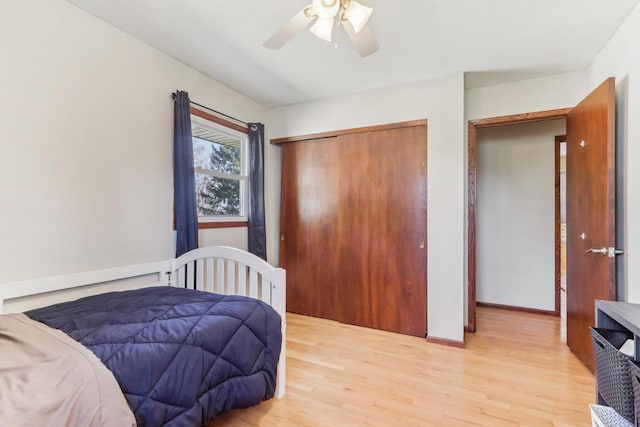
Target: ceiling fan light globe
(358, 15)
(326, 9)
(323, 28)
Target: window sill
(222, 224)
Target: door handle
(602, 251)
(610, 251)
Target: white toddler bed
(218, 269)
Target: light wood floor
(515, 371)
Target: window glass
(218, 196)
(219, 157)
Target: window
(220, 162)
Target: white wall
(440, 101)
(525, 96)
(515, 214)
(620, 58)
(86, 125)
(234, 237)
(272, 172)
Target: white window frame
(244, 170)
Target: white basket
(604, 416)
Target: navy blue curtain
(184, 186)
(257, 232)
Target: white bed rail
(51, 284)
(231, 271)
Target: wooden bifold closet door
(354, 227)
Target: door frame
(472, 198)
(559, 139)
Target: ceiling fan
(328, 14)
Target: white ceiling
(493, 40)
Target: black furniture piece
(619, 316)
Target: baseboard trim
(447, 342)
(514, 308)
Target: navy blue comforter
(181, 356)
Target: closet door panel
(382, 223)
(353, 225)
(309, 236)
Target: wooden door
(353, 228)
(383, 226)
(590, 214)
(308, 217)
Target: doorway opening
(591, 210)
(474, 126)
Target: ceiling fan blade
(290, 29)
(364, 41)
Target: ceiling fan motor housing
(326, 8)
